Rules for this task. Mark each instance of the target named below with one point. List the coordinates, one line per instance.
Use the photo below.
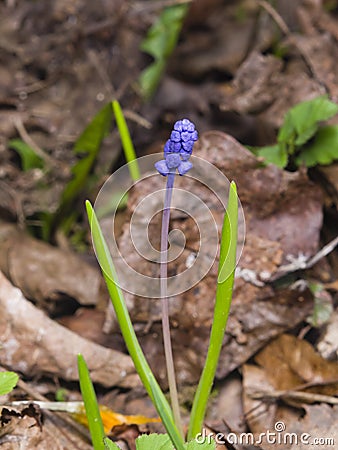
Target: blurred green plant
(29, 158)
(8, 381)
(302, 139)
(160, 42)
(86, 149)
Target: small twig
(137, 118)
(285, 29)
(18, 202)
(306, 397)
(328, 248)
(18, 123)
(302, 263)
(276, 17)
(97, 64)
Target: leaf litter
(247, 85)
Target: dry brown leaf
(33, 344)
(320, 422)
(44, 272)
(20, 429)
(284, 365)
(290, 362)
(327, 344)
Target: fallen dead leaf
(327, 344)
(288, 365)
(112, 420)
(45, 273)
(33, 344)
(290, 362)
(21, 428)
(320, 426)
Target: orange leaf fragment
(112, 419)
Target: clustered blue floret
(178, 149)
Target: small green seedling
(8, 381)
(302, 139)
(160, 42)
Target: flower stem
(165, 303)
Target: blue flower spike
(178, 149)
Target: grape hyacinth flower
(177, 152)
(178, 149)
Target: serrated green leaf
(273, 154)
(110, 445)
(8, 381)
(160, 42)
(301, 122)
(323, 149)
(154, 441)
(206, 445)
(29, 159)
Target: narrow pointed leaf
(92, 409)
(226, 273)
(127, 143)
(122, 314)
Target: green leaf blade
(153, 441)
(226, 275)
(123, 317)
(8, 381)
(206, 444)
(110, 445)
(29, 159)
(91, 406)
(302, 121)
(160, 42)
(323, 150)
(127, 142)
(274, 154)
(88, 144)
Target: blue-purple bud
(178, 149)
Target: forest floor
(237, 69)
